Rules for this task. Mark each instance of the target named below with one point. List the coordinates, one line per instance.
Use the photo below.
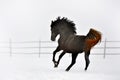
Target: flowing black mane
(61, 21)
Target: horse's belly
(73, 49)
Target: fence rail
(47, 47)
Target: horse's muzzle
(53, 39)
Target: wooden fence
(47, 47)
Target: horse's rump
(92, 38)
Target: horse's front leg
(74, 56)
(61, 55)
(54, 53)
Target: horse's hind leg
(87, 53)
(54, 53)
(74, 56)
(61, 55)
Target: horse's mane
(64, 20)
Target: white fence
(47, 47)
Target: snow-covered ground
(31, 67)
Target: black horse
(69, 42)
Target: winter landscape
(31, 67)
(23, 22)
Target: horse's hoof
(67, 70)
(85, 69)
(55, 65)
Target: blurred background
(31, 19)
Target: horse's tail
(92, 38)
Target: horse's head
(54, 31)
(62, 26)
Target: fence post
(39, 48)
(105, 48)
(10, 46)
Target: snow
(31, 67)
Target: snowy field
(31, 67)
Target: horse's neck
(64, 37)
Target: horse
(71, 43)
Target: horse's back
(75, 44)
(79, 42)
